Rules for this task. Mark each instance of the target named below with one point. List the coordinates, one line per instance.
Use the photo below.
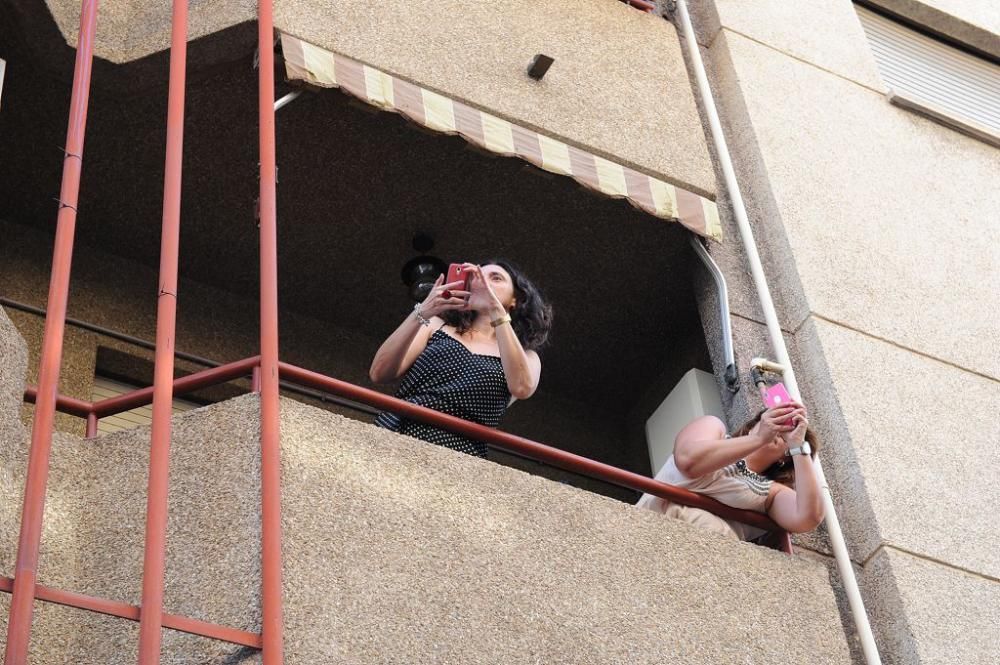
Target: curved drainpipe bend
(731, 377)
(774, 330)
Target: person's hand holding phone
(444, 297)
(481, 294)
(779, 421)
(798, 434)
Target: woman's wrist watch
(803, 449)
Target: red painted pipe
(329, 385)
(270, 433)
(785, 544)
(70, 405)
(33, 509)
(91, 426)
(187, 384)
(526, 447)
(495, 438)
(151, 621)
(641, 4)
(255, 380)
(131, 612)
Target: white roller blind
(105, 388)
(933, 76)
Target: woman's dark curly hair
(531, 316)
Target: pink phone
(777, 395)
(458, 273)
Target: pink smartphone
(777, 395)
(458, 273)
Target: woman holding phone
(765, 466)
(467, 350)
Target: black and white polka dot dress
(449, 378)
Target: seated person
(466, 353)
(762, 467)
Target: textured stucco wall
(618, 87)
(875, 229)
(397, 551)
(77, 376)
(131, 29)
(13, 436)
(515, 568)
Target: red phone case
(777, 395)
(458, 273)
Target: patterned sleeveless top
(449, 378)
(734, 485)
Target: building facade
(877, 228)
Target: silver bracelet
(416, 313)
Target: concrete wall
(395, 551)
(875, 225)
(618, 77)
(13, 437)
(128, 30)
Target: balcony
(395, 551)
(356, 186)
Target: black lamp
(420, 272)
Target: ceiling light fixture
(420, 272)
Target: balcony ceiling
(354, 187)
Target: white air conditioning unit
(696, 394)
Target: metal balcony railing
(498, 439)
(250, 368)
(644, 5)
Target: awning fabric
(316, 66)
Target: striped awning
(316, 66)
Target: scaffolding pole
(270, 434)
(33, 509)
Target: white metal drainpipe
(774, 331)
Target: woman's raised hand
(444, 297)
(797, 435)
(482, 297)
(774, 422)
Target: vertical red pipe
(786, 543)
(91, 431)
(26, 566)
(270, 443)
(151, 617)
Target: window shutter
(105, 388)
(933, 77)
